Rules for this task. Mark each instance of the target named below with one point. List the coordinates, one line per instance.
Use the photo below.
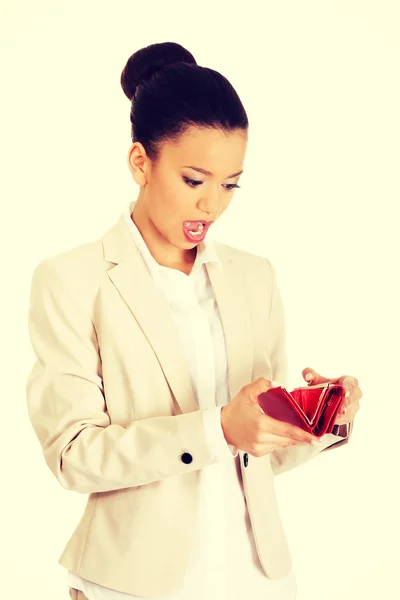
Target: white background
(320, 198)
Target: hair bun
(147, 61)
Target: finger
(349, 384)
(312, 376)
(281, 441)
(350, 413)
(288, 430)
(340, 420)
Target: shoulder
(77, 269)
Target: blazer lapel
(150, 309)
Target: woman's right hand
(248, 428)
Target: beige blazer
(111, 402)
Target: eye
(192, 182)
(230, 186)
(195, 183)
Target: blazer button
(245, 459)
(186, 458)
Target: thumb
(313, 377)
(260, 386)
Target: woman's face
(173, 192)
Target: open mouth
(195, 230)
(194, 227)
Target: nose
(211, 206)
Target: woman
(152, 346)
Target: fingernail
(315, 443)
(347, 394)
(308, 376)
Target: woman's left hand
(351, 401)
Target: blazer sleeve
(287, 458)
(68, 409)
(222, 450)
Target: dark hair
(170, 92)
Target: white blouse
(224, 564)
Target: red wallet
(313, 407)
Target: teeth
(200, 227)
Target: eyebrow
(205, 172)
